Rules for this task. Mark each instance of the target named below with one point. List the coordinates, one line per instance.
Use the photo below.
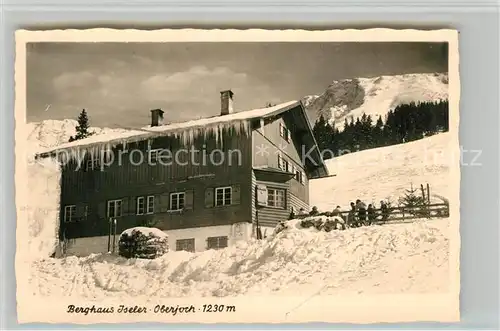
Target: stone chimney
(226, 102)
(156, 117)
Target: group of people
(358, 215)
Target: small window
(153, 155)
(276, 198)
(282, 163)
(216, 242)
(151, 204)
(223, 196)
(114, 208)
(177, 201)
(70, 213)
(302, 177)
(284, 132)
(185, 245)
(140, 206)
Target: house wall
(127, 179)
(267, 143)
(99, 244)
(270, 140)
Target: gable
(290, 132)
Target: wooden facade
(186, 194)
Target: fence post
(428, 194)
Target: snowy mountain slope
(376, 174)
(374, 96)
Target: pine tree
(82, 129)
(412, 201)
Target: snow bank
(41, 209)
(409, 258)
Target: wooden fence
(396, 214)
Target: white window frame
(71, 215)
(283, 164)
(139, 210)
(224, 190)
(115, 202)
(273, 192)
(176, 196)
(284, 132)
(155, 152)
(150, 204)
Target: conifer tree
(82, 129)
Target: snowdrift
(41, 209)
(409, 258)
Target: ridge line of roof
(139, 134)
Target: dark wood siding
(125, 180)
(270, 216)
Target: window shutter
(288, 135)
(133, 206)
(188, 200)
(235, 195)
(125, 206)
(303, 177)
(209, 197)
(80, 210)
(164, 202)
(101, 210)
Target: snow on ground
(409, 258)
(386, 172)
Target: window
(284, 132)
(114, 208)
(70, 213)
(177, 201)
(276, 198)
(223, 196)
(140, 206)
(151, 204)
(153, 155)
(216, 242)
(282, 163)
(302, 177)
(185, 245)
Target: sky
(119, 83)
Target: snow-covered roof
(186, 130)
